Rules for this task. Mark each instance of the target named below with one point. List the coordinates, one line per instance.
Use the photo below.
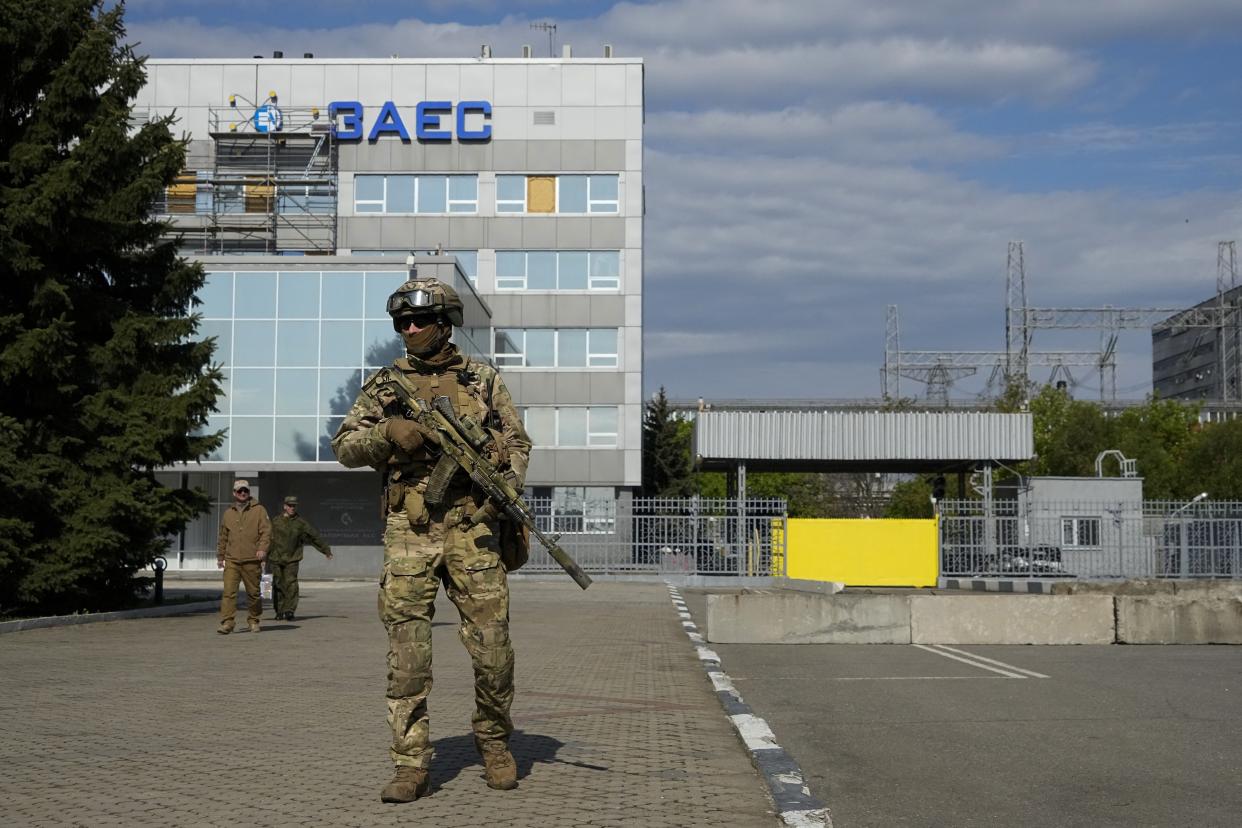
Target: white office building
(309, 182)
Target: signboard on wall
(433, 121)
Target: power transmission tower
(550, 28)
(1227, 334)
(1022, 320)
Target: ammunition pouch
(514, 544)
(416, 507)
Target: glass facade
(295, 347)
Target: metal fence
(1139, 539)
(666, 536)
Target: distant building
(1199, 363)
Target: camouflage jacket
(473, 387)
(289, 535)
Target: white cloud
(867, 131)
(988, 71)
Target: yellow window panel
(540, 194)
(180, 194)
(259, 197)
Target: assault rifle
(462, 443)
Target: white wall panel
(543, 86)
(510, 85)
(633, 155)
(238, 80)
(477, 83)
(575, 123)
(375, 85)
(340, 83)
(634, 84)
(273, 77)
(510, 123)
(306, 87)
(172, 86)
(207, 85)
(577, 85)
(443, 82)
(609, 85)
(409, 84)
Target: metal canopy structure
(866, 441)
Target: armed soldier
(451, 536)
(290, 532)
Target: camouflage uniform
(289, 534)
(426, 545)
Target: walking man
(426, 544)
(245, 536)
(290, 532)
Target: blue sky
(809, 163)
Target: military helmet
(423, 294)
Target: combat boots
(498, 766)
(225, 627)
(254, 626)
(407, 785)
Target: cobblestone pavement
(161, 721)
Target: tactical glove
(404, 434)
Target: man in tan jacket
(245, 537)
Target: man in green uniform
(290, 532)
(426, 544)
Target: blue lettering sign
(388, 122)
(482, 107)
(433, 121)
(350, 128)
(427, 124)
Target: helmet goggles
(412, 301)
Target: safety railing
(1084, 539)
(666, 536)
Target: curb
(23, 624)
(795, 805)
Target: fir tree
(102, 380)
(667, 466)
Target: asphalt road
(1048, 736)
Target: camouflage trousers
(284, 585)
(416, 561)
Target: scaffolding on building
(269, 186)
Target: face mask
(428, 340)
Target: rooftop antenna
(550, 28)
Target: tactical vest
(469, 391)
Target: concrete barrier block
(1179, 620)
(789, 617)
(1011, 619)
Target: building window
(1080, 531)
(562, 194)
(556, 348)
(558, 270)
(416, 194)
(575, 509)
(572, 426)
(313, 198)
(296, 346)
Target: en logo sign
(432, 121)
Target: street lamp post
(1184, 564)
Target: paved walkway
(163, 722)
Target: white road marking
(978, 657)
(978, 664)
